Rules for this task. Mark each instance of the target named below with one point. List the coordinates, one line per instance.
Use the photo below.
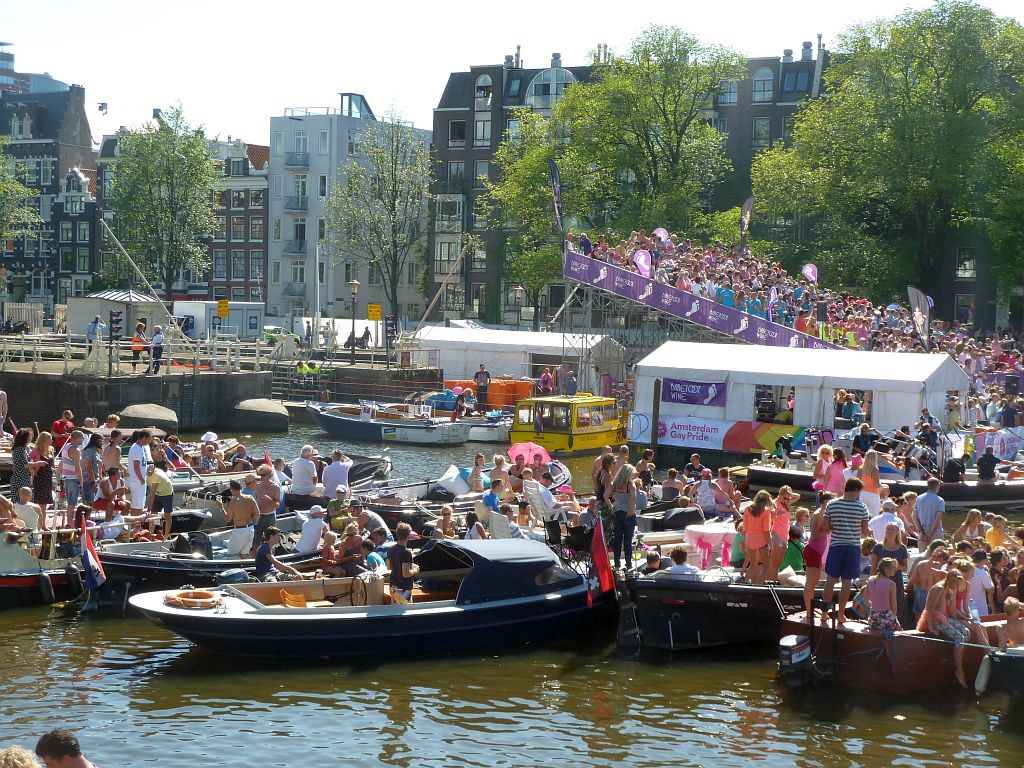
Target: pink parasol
(527, 451)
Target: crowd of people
(742, 281)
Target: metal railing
(296, 160)
(297, 203)
(296, 246)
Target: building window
(787, 128)
(277, 142)
(83, 232)
(238, 227)
(220, 293)
(795, 81)
(544, 90)
(762, 136)
(322, 185)
(236, 168)
(966, 264)
(299, 228)
(255, 265)
(964, 308)
(31, 171)
(355, 140)
(65, 259)
(276, 230)
(45, 207)
(301, 142)
(373, 275)
(454, 298)
(728, 93)
(449, 214)
(479, 214)
(278, 185)
(446, 252)
(257, 197)
(514, 86)
(481, 172)
(45, 172)
(412, 311)
(456, 170)
(220, 198)
(238, 264)
(298, 271)
(414, 273)
(221, 232)
(275, 272)
(723, 125)
(66, 231)
(322, 142)
(300, 187)
(477, 304)
(238, 198)
(220, 265)
(456, 133)
(82, 260)
(513, 129)
(238, 294)
(482, 94)
(256, 228)
(321, 228)
(478, 260)
(255, 294)
(482, 133)
(764, 85)
(351, 272)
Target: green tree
(380, 217)
(900, 152)
(162, 195)
(17, 215)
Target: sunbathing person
(1012, 633)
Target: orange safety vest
(137, 343)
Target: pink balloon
(810, 272)
(642, 259)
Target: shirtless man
(241, 512)
(1012, 633)
(112, 452)
(268, 498)
(595, 468)
(925, 574)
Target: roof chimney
(806, 54)
(509, 62)
(556, 60)
(787, 56)
(519, 62)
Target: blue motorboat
(372, 422)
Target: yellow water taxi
(568, 424)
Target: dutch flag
(94, 575)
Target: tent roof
(756, 364)
(484, 338)
(128, 296)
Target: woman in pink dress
(835, 480)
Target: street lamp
(519, 305)
(354, 287)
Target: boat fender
(984, 672)
(75, 583)
(46, 589)
(192, 598)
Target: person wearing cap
(336, 473)
(339, 504)
(241, 512)
(982, 589)
(312, 531)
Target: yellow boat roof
(580, 398)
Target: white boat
(376, 423)
(39, 567)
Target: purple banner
(674, 301)
(693, 392)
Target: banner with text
(693, 392)
(711, 434)
(675, 301)
(1005, 443)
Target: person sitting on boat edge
(374, 562)
(444, 527)
(881, 592)
(694, 470)
(59, 747)
(329, 556)
(268, 567)
(492, 499)
(1011, 634)
(655, 563)
(474, 528)
(794, 555)
(680, 567)
(350, 551)
(403, 569)
(312, 530)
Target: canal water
(138, 695)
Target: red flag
(599, 556)
(266, 458)
(94, 575)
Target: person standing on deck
(846, 519)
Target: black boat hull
(1008, 671)
(676, 614)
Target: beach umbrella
(527, 450)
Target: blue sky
(233, 65)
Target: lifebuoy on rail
(192, 598)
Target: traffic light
(116, 324)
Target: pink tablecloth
(709, 536)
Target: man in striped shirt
(846, 519)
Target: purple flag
(661, 233)
(773, 298)
(810, 272)
(642, 259)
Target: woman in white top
(474, 528)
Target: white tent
(513, 353)
(901, 384)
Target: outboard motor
(180, 544)
(232, 576)
(200, 544)
(795, 663)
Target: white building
(309, 148)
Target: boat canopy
(501, 569)
(901, 383)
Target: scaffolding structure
(637, 327)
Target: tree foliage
(17, 215)
(380, 216)
(162, 197)
(905, 146)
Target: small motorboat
(471, 594)
(379, 424)
(854, 655)
(1004, 669)
(569, 424)
(39, 567)
(681, 612)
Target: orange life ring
(192, 598)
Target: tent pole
(655, 416)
